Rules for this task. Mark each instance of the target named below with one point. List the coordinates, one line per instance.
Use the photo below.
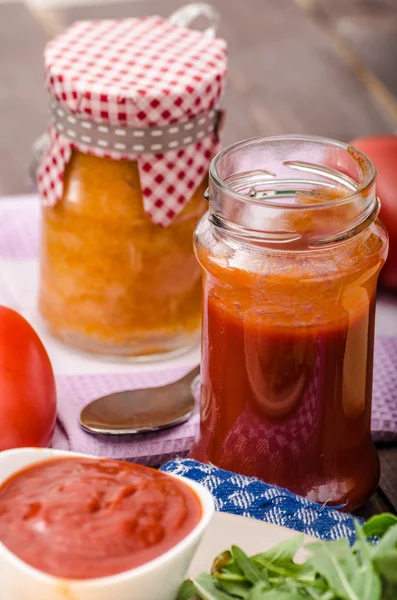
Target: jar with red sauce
(291, 250)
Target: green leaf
(238, 590)
(314, 594)
(227, 575)
(277, 594)
(302, 573)
(207, 588)
(248, 567)
(389, 591)
(386, 564)
(257, 592)
(284, 551)
(334, 570)
(378, 525)
(388, 541)
(336, 563)
(187, 591)
(365, 581)
(260, 592)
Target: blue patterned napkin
(250, 497)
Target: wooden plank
(23, 100)
(374, 506)
(371, 30)
(60, 18)
(366, 41)
(385, 498)
(285, 74)
(339, 8)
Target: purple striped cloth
(19, 228)
(76, 391)
(153, 449)
(384, 399)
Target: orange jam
(112, 281)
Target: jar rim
(367, 168)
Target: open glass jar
(134, 123)
(290, 252)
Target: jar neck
(292, 193)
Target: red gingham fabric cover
(141, 73)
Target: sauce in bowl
(83, 518)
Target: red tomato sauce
(282, 410)
(81, 518)
(286, 374)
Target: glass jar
(290, 253)
(112, 281)
(134, 121)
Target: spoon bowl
(142, 410)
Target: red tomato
(27, 385)
(383, 151)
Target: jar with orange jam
(134, 123)
(291, 250)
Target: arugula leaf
(187, 591)
(257, 591)
(235, 589)
(284, 551)
(388, 541)
(208, 589)
(386, 564)
(336, 562)
(333, 570)
(248, 567)
(260, 593)
(229, 575)
(389, 591)
(378, 525)
(302, 572)
(366, 581)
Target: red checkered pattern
(140, 73)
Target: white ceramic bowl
(158, 579)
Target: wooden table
(325, 67)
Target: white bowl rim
(206, 501)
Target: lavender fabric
(384, 402)
(74, 392)
(153, 449)
(19, 229)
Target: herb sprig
(333, 570)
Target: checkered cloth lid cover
(136, 73)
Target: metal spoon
(141, 411)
